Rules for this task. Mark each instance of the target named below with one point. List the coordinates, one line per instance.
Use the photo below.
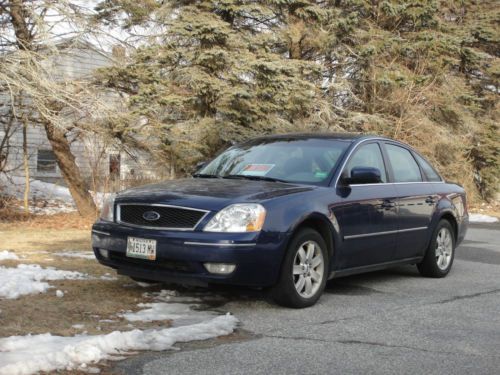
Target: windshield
(289, 160)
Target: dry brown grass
(84, 302)
(10, 218)
(491, 208)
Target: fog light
(104, 253)
(220, 268)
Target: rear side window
(368, 156)
(404, 166)
(429, 172)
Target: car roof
(338, 136)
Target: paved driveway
(384, 322)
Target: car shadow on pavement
(366, 283)
(216, 296)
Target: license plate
(141, 248)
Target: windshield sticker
(256, 169)
(320, 174)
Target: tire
(439, 255)
(306, 259)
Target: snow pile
(45, 198)
(30, 279)
(50, 207)
(481, 218)
(180, 313)
(195, 298)
(144, 284)
(107, 276)
(75, 254)
(7, 255)
(14, 186)
(30, 354)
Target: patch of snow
(75, 254)
(14, 186)
(91, 370)
(50, 207)
(45, 198)
(181, 314)
(33, 353)
(108, 277)
(143, 284)
(481, 218)
(78, 326)
(163, 295)
(31, 278)
(173, 296)
(59, 293)
(7, 255)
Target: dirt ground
(93, 303)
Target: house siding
(72, 64)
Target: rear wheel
(304, 271)
(440, 253)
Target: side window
(430, 173)
(46, 161)
(404, 166)
(368, 156)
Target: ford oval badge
(151, 215)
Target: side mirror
(200, 165)
(364, 175)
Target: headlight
(107, 211)
(241, 217)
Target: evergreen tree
(212, 76)
(423, 71)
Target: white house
(75, 60)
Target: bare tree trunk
(20, 20)
(19, 16)
(26, 166)
(70, 171)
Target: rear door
(416, 201)
(367, 215)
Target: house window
(46, 161)
(114, 166)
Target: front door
(366, 215)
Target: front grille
(165, 217)
(153, 265)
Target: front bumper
(180, 255)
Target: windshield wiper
(250, 177)
(205, 175)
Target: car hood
(209, 194)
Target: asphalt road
(389, 322)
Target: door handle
(387, 205)
(430, 200)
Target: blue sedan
(287, 213)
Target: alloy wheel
(308, 269)
(444, 248)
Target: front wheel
(440, 253)
(304, 271)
